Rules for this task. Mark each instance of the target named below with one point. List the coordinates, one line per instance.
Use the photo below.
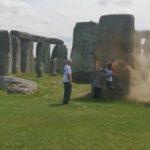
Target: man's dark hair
(109, 66)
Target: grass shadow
(88, 98)
(56, 105)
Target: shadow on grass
(88, 98)
(56, 105)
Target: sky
(57, 18)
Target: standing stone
(146, 45)
(16, 54)
(46, 57)
(142, 39)
(27, 58)
(137, 43)
(43, 55)
(58, 56)
(5, 53)
(60, 51)
(115, 43)
(38, 60)
(39, 69)
(84, 38)
(54, 66)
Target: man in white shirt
(67, 81)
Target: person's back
(109, 75)
(98, 79)
(67, 71)
(109, 79)
(97, 84)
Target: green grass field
(40, 122)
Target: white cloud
(115, 2)
(58, 18)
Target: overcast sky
(57, 18)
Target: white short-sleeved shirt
(109, 74)
(67, 70)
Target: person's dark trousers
(97, 92)
(67, 92)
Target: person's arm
(69, 74)
(69, 77)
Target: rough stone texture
(5, 53)
(58, 56)
(139, 36)
(36, 38)
(84, 38)
(115, 43)
(16, 54)
(137, 43)
(43, 55)
(54, 63)
(146, 46)
(39, 48)
(60, 51)
(39, 69)
(17, 85)
(27, 58)
(46, 57)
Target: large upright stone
(43, 55)
(16, 54)
(5, 53)
(146, 45)
(142, 39)
(84, 38)
(46, 57)
(59, 51)
(115, 43)
(59, 54)
(27, 58)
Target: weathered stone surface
(5, 53)
(27, 58)
(144, 34)
(16, 54)
(137, 43)
(17, 85)
(39, 48)
(115, 43)
(46, 57)
(60, 51)
(43, 55)
(141, 36)
(146, 45)
(84, 38)
(39, 69)
(58, 56)
(36, 38)
(54, 65)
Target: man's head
(68, 61)
(109, 66)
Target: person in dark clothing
(97, 83)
